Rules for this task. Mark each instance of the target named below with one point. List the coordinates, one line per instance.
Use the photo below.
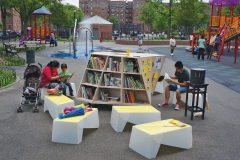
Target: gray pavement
(27, 135)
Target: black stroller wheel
(19, 110)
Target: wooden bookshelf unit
(113, 78)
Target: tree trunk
(169, 19)
(3, 15)
(148, 32)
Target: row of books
(93, 77)
(109, 80)
(113, 65)
(88, 92)
(131, 82)
(130, 98)
(96, 63)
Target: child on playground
(67, 82)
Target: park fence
(7, 76)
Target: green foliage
(26, 7)
(147, 14)
(113, 20)
(6, 78)
(226, 10)
(70, 13)
(161, 16)
(12, 61)
(187, 13)
(200, 29)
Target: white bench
(70, 130)
(43, 93)
(74, 90)
(146, 138)
(133, 114)
(56, 103)
(190, 96)
(159, 87)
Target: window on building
(91, 8)
(91, 13)
(9, 26)
(112, 14)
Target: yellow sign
(149, 60)
(128, 52)
(144, 61)
(155, 75)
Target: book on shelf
(88, 92)
(96, 63)
(131, 66)
(93, 77)
(135, 83)
(114, 65)
(103, 95)
(130, 98)
(109, 80)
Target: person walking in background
(172, 44)
(201, 45)
(140, 37)
(191, 38)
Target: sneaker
(177, 107)
(171, 54)
(71, 94)
(163, 105)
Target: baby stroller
(31, 89)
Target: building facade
(13, 22)
(127, 12)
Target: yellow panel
(222, 21)
(158, 127)
(215, 20)
(59, 99)
(135, 109)
(74, 119)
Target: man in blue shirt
(182, 75)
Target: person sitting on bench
(182, 75)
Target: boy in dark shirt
(182, 75)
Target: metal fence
(7, 76)
(11, 61)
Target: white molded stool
(70, 130)
(74, 90)
(43, 93)
(56, 103)
(133, 114)
(190, 96)
(159, 87)
(146, 138)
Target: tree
(147, 15)
(70, 13)
(185, 8)
(113, 20)
(25, 9)
(226, 10)
(59, 14)
(5, 7)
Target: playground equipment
(228, 27)
(74, 39)
(41, 31)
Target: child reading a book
(66, 82)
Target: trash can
(197, 76)
(30, 56)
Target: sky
(76, 2)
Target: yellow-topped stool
(69, 130)
(56, 103)
(146, 138)
(133, 114)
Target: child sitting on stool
(67, 82)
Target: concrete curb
(17, 80)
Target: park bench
(10, 51)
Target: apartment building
(13, 22)
(127, 12)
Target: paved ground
(27, 135)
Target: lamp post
(74, 38)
